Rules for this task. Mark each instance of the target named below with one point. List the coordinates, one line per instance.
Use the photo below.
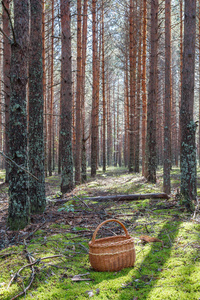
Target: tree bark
(78, 97)
(152, 97)
(19, 206)
(94, 93)
(6, 77)
(66, 100)
(167, 128)
(84, 52)
(36, 107)
(188, 126)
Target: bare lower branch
(13, 162)
(11, 25)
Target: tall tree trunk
(6, 77)
(84, 52)
(144, 93)
(19, 206)
(1, 110)
(167, 128)
(66, 100)
(199, 87)
(94, 93)
(78, 97)
(103, 92)
(181, 65)
(137, 111)
(132, 86)
(44, 86)
(188, 126)
(50, 129)
(36, 105)
(152, 97)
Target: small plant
(67, 207)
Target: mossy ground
(169, 273)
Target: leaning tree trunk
(36, 103)
(188, 126)
(19, 206)
(66, 101)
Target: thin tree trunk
(50, 129)
(84, 52)
(78, 97)
(167, 127)
(137, 112)
(144, 93)
(132, 86)
(103, 92)
(94, 93)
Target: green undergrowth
(171, 272)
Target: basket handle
(110, 220)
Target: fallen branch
(17, 274)
(132, 197)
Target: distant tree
(152, 96)
(6, 74)
(19, 206)
(188, 126)
(36, 101)
(66, 100)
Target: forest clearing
(171, 272)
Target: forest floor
(49, 258)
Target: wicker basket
(112, 253)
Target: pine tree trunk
(84, 52)
(44, 86)
(50, 127)
(167, 128)
(94, 94)
(78, 97)
(66, 100)
(103, 92)
(144, 95)
(132, 86)
(36, 106)
(188, 126)
(152, 97)
(19, 206)
(6, 78)
(137, 111)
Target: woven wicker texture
(112, 253)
